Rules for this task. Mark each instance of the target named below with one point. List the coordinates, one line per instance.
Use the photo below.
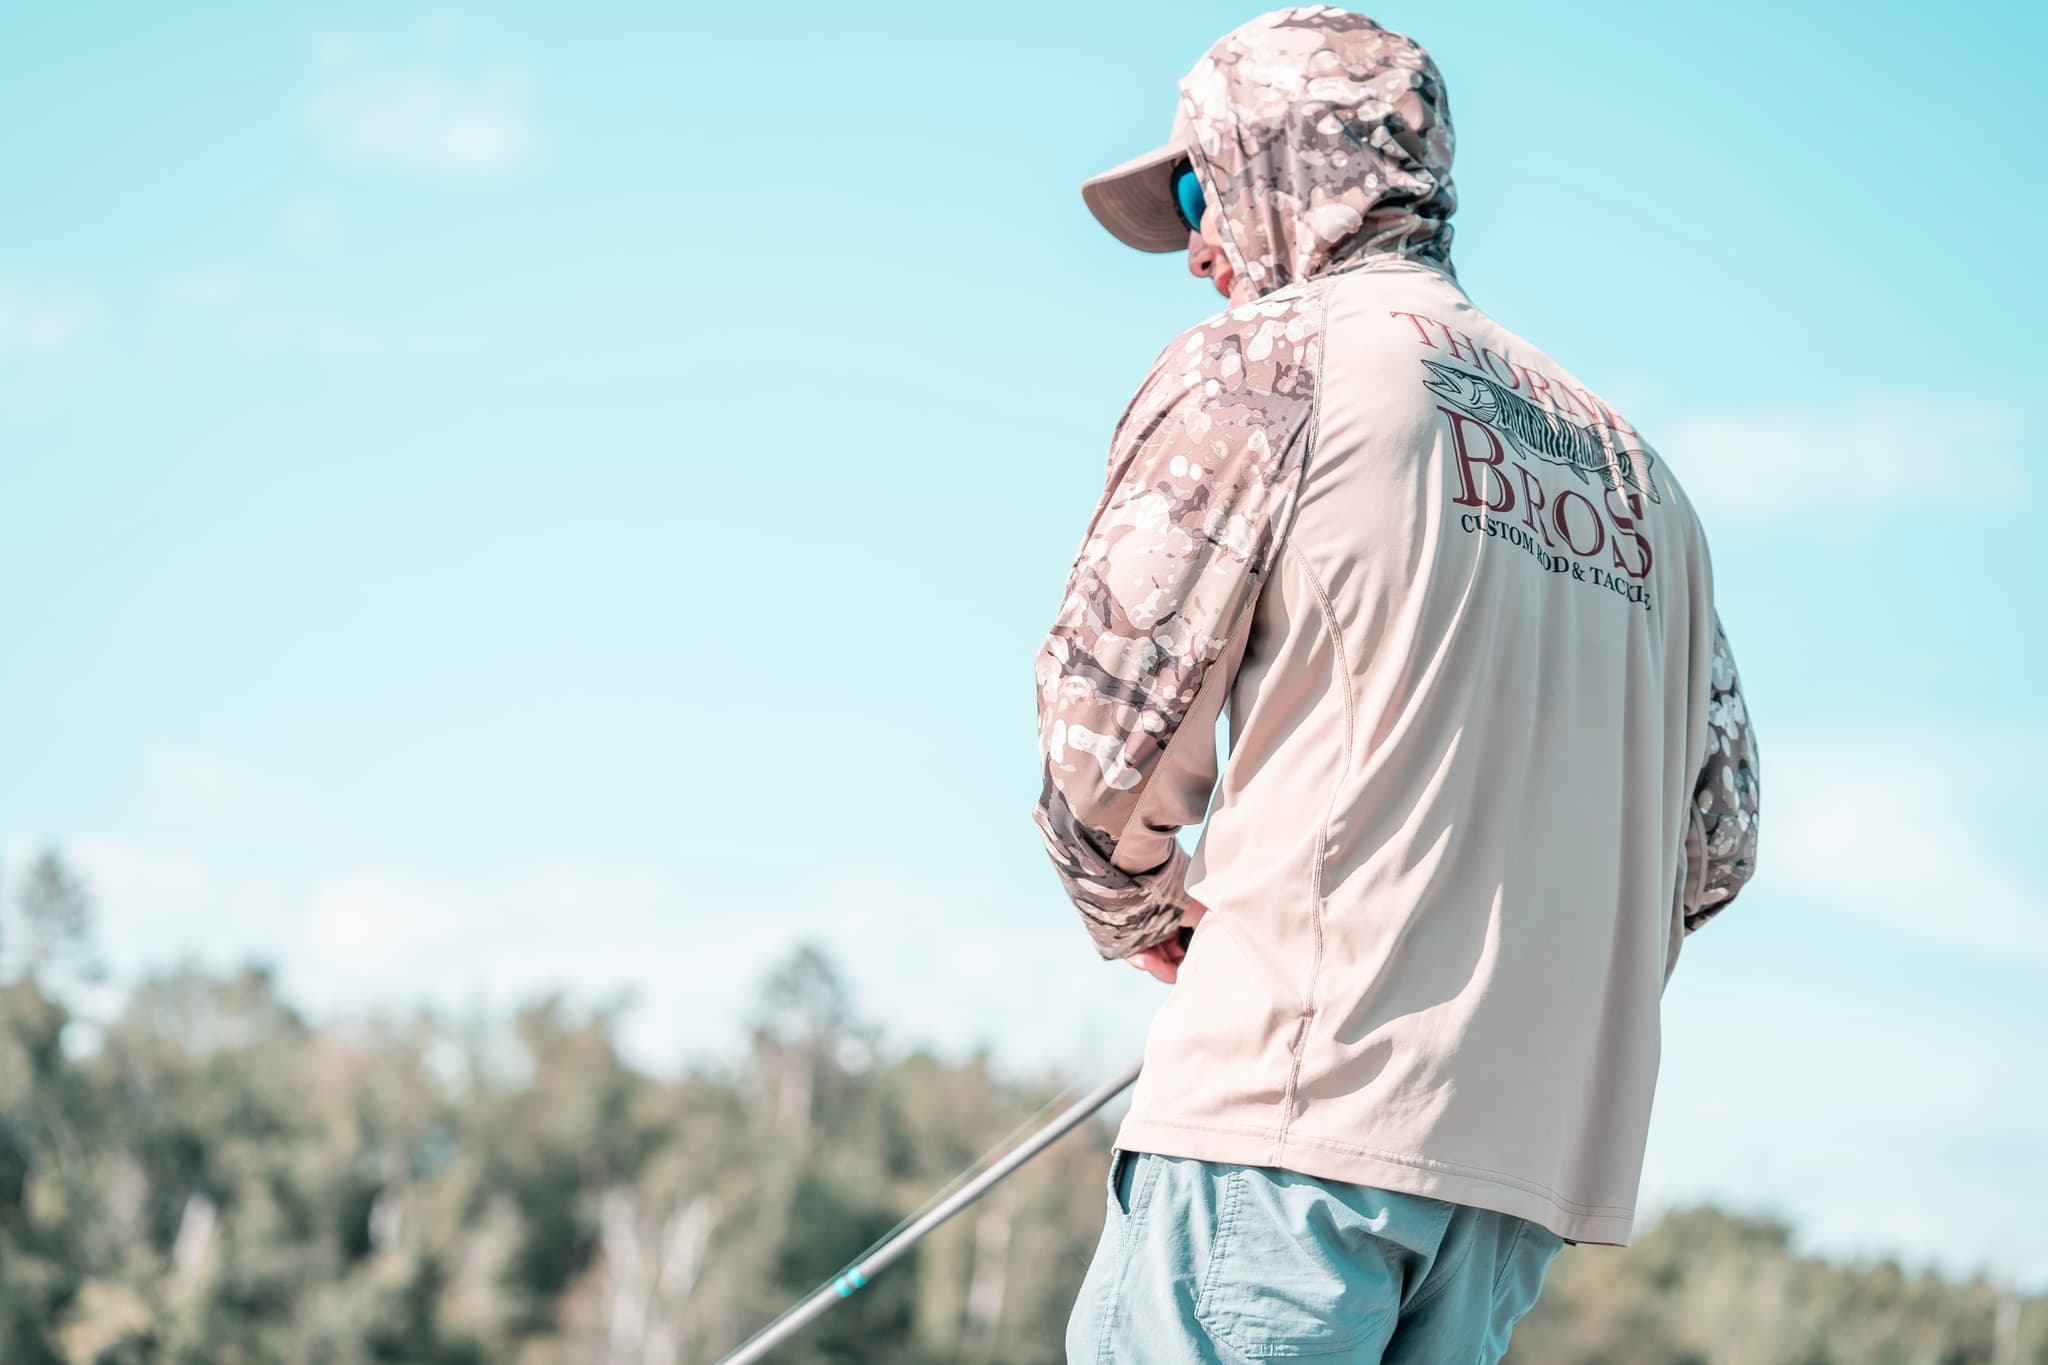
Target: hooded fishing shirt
(1488, 759)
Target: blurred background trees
(206, 1176)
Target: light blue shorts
(1205, 1261)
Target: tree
(805, 1033)
(56, 920)
(220, 1181)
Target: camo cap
(1319, 136)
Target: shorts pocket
(1523, 1268)
(1129, 1176)
(1292, 1274)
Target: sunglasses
(1187, 195)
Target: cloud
(1896, 827)
(1873, 453)
(1869, 1126)
(1864, 1118)
(944, 966)
(157, 905)
(421, 118)
(35, 321)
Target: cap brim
(1135, 201)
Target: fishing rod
(853, 1277)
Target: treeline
(205, 1177)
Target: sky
(511, 498)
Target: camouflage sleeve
(1204, 470)
(1720, 844)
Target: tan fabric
(1489, 758)
(1134, 201)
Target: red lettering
(1539, 387)
(1607, 414)
(1416, 320)
(1468, 487)
(1564, 525)
(1616, 420)
(1468, 352)
(1569, 403)
(1632, 503)
(1532, 502)
(1593, 405)
(1486, 354)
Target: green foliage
(215, 1181)
(1706, 1287)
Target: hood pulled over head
(1321, 138)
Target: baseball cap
(1135, 200)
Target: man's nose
(1202, 257)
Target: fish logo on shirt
(1544, 434)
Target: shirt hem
(1596, 1225)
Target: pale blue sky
(508, 496)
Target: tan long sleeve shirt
(1489, 760)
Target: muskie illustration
(1544, 434)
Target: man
(1489, 762)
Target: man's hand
(1163, 959)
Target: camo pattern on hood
(1322, 138)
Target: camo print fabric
(1204, 469)
(1721, 847)
(1321, 138)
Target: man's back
(1443, 862)
(1489, 760)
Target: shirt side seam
(1290, 550)
(1341, 668)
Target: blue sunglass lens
(1187, 196)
